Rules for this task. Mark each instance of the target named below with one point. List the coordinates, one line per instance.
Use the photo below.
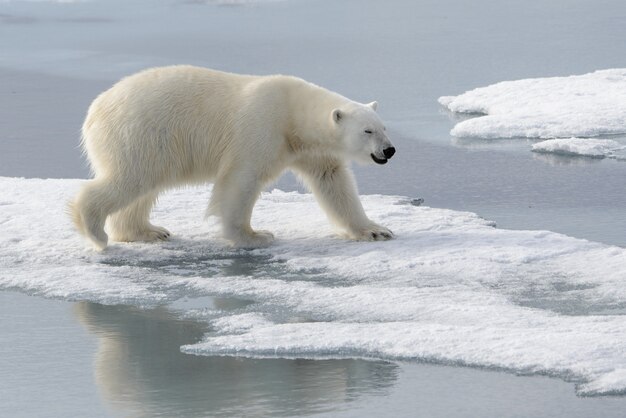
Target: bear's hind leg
(132, 223)
(96, 200)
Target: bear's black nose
(389, 152)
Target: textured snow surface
(450, 288)
(557, 107)
(585, 147)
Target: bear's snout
(389, 152)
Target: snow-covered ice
(450, 288)
(584, 147)
(585, 105)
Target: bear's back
(170, 93)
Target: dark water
(84, 359)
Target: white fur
(171, 126)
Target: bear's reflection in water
(140, 370)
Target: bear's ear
(337, 115)
(373, 105)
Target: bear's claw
(147, 234)
(381, 236)
(373, 233)
(156, 233)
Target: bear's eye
(368, 131)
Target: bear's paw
(372, 232)
(256, 239)
(149, 233)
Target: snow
(585, 147)
(585, 105)
(450, 288)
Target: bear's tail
(74, 214)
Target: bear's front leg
(335, 189)
(232, 200)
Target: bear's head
(362, 133)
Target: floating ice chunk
(557, 107)
(450, 288)
(585, 147)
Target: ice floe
(585, 105)
(450, 288)
(584, 147)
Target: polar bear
(170, 126)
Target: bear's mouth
(378, 160)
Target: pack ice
(451, 288)
(585, 105)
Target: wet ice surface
(582, 147)
(583, 105)
(450, 288)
